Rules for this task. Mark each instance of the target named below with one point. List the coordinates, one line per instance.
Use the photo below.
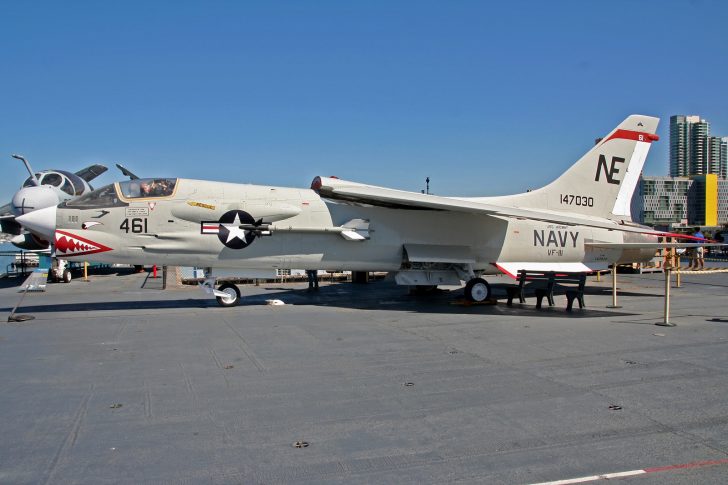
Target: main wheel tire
(233, 295)
(477, 290)
(67, 276)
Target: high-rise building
(722, 201)
(680, 202)
(722, 158)
(680, 144)
(693, 151)
(662, 201)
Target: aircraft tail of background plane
(602, 182)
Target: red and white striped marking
(607, 476)
(633, 135)
(210, 228)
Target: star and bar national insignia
(228, 229)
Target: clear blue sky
(482, 97)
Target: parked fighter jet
(42, 189)
(579, 222)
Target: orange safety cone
(154, 271)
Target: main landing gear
(477, 290)
(60, 271)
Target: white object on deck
(36, 281)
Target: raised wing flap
(127, 172)
(91, 172)
(353, 192)
(357, 193)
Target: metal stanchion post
(164, 277)
(20, 318)
(614, 288)
(675, 264)
(666, 318)
(677, 273)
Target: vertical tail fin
(602, 182)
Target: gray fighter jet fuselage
(578, 223)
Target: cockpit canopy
(68, 182)
(147, 188)
(114, 195)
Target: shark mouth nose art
(68, 244)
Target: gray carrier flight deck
(118, 381)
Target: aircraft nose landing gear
(477, 290)
(231, 295)
(227, 294)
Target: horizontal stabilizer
(91, 172)
(512, 269)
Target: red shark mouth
(68, 244)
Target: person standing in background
(313, 283)
(699, 251)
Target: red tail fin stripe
(633, 135)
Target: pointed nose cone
(41, 222)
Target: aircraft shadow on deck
(11, 282)
(116, 305)
(387, 296)
(373, 296)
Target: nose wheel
(231, 297)
(477, 290)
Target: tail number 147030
(582, 200)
